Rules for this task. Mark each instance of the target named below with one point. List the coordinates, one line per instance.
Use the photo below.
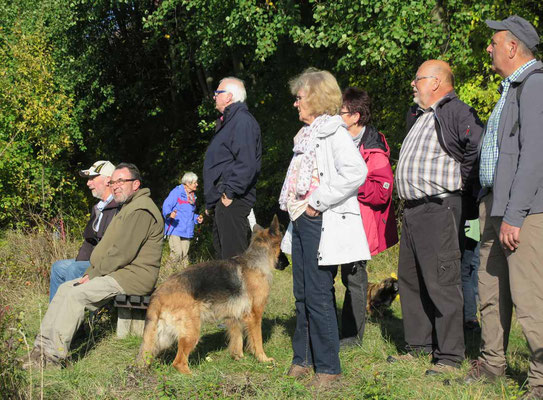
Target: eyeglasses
(418, 78)
(218, 92)
(344, 112)
(120, 181)
(298, 99)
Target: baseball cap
(519, 27)
(98, 168)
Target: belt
(438, 198)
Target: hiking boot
(439, 369)
(298, 371)
(533, 393)
(37, 360)
(408, 357)
(322, 381)
(480, 371)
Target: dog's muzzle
(282, 262)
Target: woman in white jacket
(319, 194)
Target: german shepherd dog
(380, 296)
(234, 290)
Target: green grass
(103, 366)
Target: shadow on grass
(391, 328)
(96, 326)
(217, 341)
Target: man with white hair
(231, 169)
(101, 215)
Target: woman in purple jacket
(179, 211)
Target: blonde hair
(323, 95)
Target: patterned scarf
(299, 175)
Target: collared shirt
(424, 169)
(99, 208)
(490, 146)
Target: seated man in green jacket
(125, 261)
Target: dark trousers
(231, 229)
(316, 338)
(470, 276)
(430, 281)
(353, 315)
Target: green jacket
(131, 248)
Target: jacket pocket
(448, 268)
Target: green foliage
(36, 127)
(13, 380)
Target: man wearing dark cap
(511, 205)
(101, 215)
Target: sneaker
(533, 393)
(322, 381)
(439, 369)
(298, 371)
(480, 371)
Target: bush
(12, 377)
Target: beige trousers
(67, 311)
(179, 249)
(511, 278)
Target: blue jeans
(316, 338)
(470, 268)
(63, 271)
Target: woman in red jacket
(375, 200)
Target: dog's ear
(274, 226)
(257, 228)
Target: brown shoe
(480, 371)
(298, 371)
(439, 369)
(533, 393)
(37, 360)
(322, 381)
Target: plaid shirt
(424, 169)
(490, 147)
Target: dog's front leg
(235, 337)
(254, 334)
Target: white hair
(236, 87)
(189, 177)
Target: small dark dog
(234, 290)
(380, 296)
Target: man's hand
(84, 279)
(173, 214)
(509, 236)
(225, 200)
(311, 211)
(200, 218)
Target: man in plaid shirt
(436, 176)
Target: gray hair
(236, 87)
(522, 48)
(189, 177)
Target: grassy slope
(104, 371)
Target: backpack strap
(520, 86)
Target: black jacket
(92, 238)
(232, 160)
(459, 131)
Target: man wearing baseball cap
(97, 180)
(511, 205)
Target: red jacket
(375, 195)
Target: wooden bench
(131, 312)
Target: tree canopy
(132, 80)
